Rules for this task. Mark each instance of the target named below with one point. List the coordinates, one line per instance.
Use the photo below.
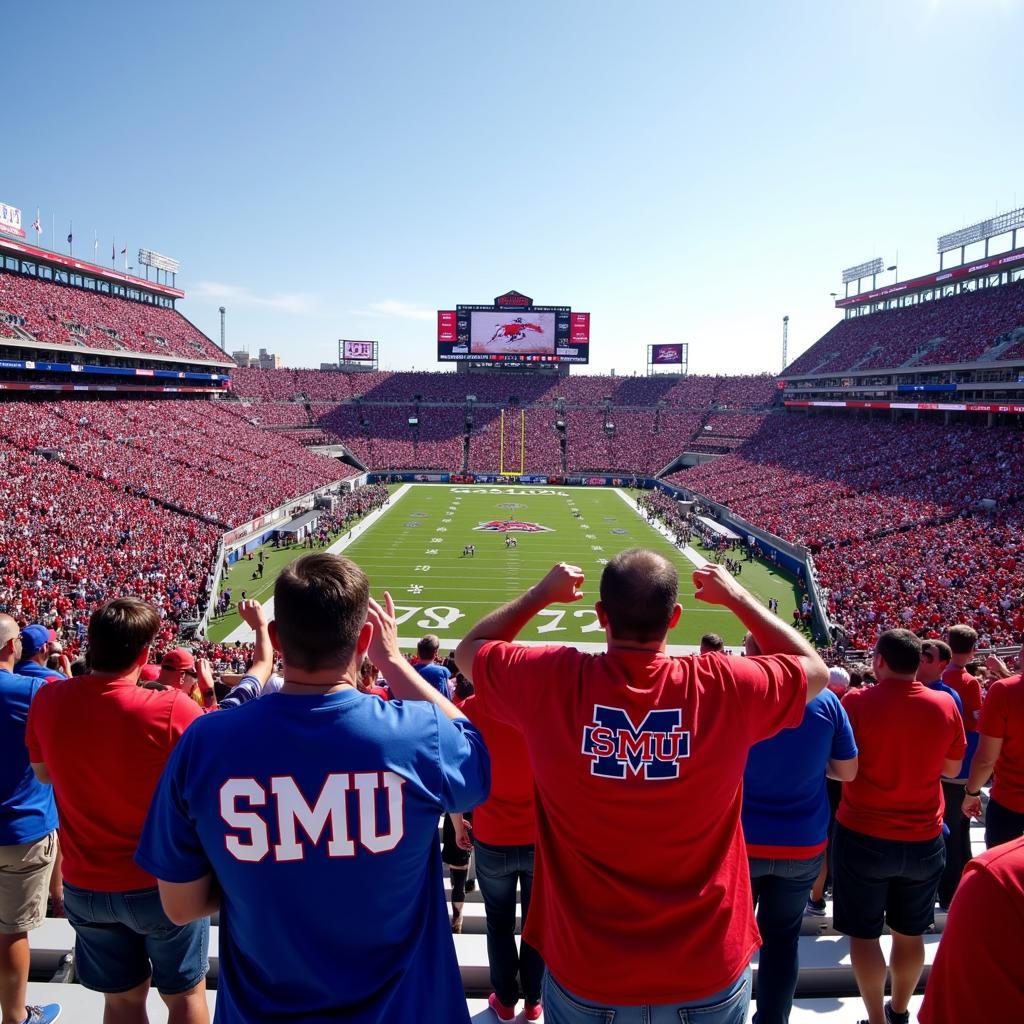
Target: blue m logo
(651, 750)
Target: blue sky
(685, 172)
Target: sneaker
(816, 908)
(892, 1017)
(501, 1011)
(533, 1011)
(42, 1014)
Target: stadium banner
(1004, 407)
(666, 354)
(10, 220)
(446, 326)
(357, 351)
(20, 385)
(431, 478)
(534, 480)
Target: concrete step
(84, 1007)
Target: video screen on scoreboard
(666, 353)
(521, 334)
(512, 332)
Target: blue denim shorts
(123, 938)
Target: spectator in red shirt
(963, 641)
(888, 849)
(642, 894)
(502, 836)
(1000, 749)
(976, 975)
(102, 741)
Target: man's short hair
(427, 648)
(900, 650)
(320, 604)
(938, 649)
(962, 639)
(119, 631)
(638, 593)
(711, 642)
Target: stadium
(424, 667)
(832, 479)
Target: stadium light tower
(896, 279)
(785, 340)
(222, 312)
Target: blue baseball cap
(33, 640)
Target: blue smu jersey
(785, 800)
(318, 816)
(27, 810)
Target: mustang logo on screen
(512, 526)
(516, 330)
(651, 750)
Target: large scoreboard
(512, 330)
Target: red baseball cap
(178, 659)
(149, 673)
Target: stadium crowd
(164, 827)
(195, 456)
(956, 329)
(81, 319)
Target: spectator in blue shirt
(437, 675)
(936, 656)
(35, 649)
(309, 817)
(28, 836)
(785, 824)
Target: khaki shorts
(25, 883)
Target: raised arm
(405, 682)
(560, 585)
(716, 586)
(255, 618)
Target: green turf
(415, 552)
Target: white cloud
(286, 302)
(393, 308)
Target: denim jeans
(498, 870)
(726, 1007)
(781, 887)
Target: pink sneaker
(533, 1011)
(501, 1011)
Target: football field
(414, 549)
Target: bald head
(638, 595)
(9, 652)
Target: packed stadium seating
(65, 315)
(891, 511)
(956, 329)
(196, 456)
(71, 540)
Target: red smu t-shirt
(506, 817)
(905, 733)
(968, 689)
(105, 743)
(1003, 717)
(641, 892)
(976, 975)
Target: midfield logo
(512, 526)
(650, 750)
